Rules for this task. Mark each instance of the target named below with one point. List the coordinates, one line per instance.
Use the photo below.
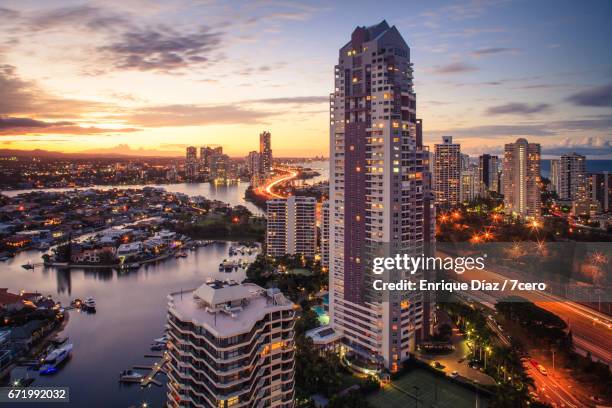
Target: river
(232, 194)
(131, 312)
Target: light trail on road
(268, 189)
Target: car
(454, 374)
(542, 370)
(438, 365)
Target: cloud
(516, 108)
(495, 131)
(590, 146)
(6, 13)
(26, 98)
(194, 115)
(490, 51)
(454, 68)
(544, 129)
(162, 49)
(600, 96)
(89, 17)
(302, 100)
(11, 126)
(9, 123)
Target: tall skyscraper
(191, 163)
(522, 178)
(447, 172)
(292, 226)
(376, 192)
(265, 151)
(488, 170)
(555, 175)
(572, 177)
(325, 234)
(230, 345)
(253, 165)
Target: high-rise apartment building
(292, 226)
(230, 345)
(265, 151)
(572, 177)
(600, 186)
(522, 178)
(191, 163)
(447, 172)
(555, 175)
(376, 195)
(325, 235)
(221, 167)
(253, 166)
(471, 186)
(488, 170)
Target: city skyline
(96, 78)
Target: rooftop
(323, 335)
(227, 308)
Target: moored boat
(55, 358)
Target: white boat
(130, 376)
(55, 358)
(89, 303)
(162, 339)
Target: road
(458, 361)
(549, 390)
(268, 189)
(591, 330)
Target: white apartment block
(572, 177)
(471, 185)
(522, 179)
(292, 226)
(230, 345)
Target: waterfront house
(27, 334)
(129, 249)
(9, 301)
(93, 255)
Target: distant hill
(59, 155)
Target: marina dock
(154, 369)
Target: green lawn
(401, 393)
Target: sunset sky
(151, 77)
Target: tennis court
(431, 388)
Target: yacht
(55, 358)
(130, 376)
(89, 305)
(162, 339)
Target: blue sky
(151, 77)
